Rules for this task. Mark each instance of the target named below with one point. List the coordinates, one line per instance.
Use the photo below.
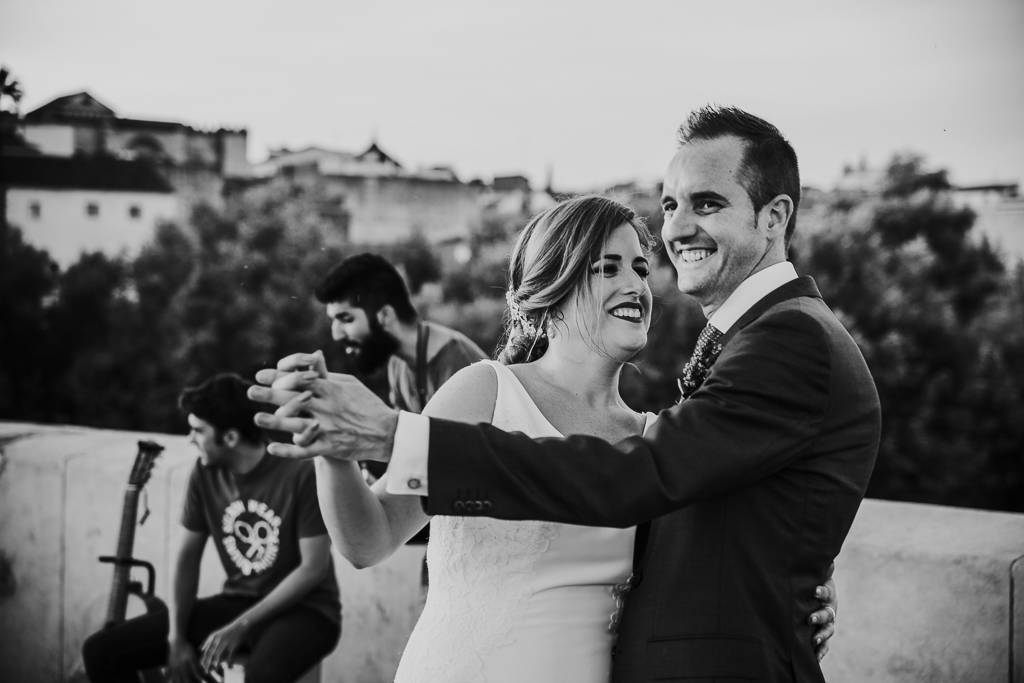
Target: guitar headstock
(149, 451)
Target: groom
(750, 483)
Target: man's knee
(99, 652)
(92, 649)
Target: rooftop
(82, 173)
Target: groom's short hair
(370, 282)
(769, 166)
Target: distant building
(78, 177)
(861, 180)
(1000, 215)
(512, 195)
(195, 162)
(375, 199)
(998, 207)
(68, 205)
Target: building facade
(77, 177)
(375, 200)
(78, 204)
(195, 162)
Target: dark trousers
(280, 650)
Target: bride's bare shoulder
(468, 396)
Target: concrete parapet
(927, 593)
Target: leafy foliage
(939, 321)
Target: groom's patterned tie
(704, 355)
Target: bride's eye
(606, 269)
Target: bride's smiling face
(613, 308)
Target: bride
(523, 601)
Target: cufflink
(414, 483)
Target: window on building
(35, 209)
(135, 211)
(92, 209)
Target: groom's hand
(331, 415)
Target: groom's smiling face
(712, 234)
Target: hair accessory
(517, 314)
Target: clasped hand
(328, 414)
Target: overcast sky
(594, 90)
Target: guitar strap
(422, 337)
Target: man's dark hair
(769, 166)
(370, 282)
(222, 401)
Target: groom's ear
(777, 214)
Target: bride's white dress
(517, 601)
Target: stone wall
(926, 593)
(929, 593)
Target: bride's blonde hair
(551, 261)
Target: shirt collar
(750, 291)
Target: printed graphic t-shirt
(256, 520)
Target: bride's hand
(824, 618)
(330, 415)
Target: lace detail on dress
(620, 592)
(480, 572)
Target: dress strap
(514, 408)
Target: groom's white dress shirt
(407, 472)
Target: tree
(938, 319)
(10, 90)
(27, 283)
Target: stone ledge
(926, 592)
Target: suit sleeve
(758, 411)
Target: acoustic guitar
(122, 585)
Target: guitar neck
(119, 587)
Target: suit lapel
(802, 286)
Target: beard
(373, 352)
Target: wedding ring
(833, 613)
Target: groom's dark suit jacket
(752, 484)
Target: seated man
(280, 601)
